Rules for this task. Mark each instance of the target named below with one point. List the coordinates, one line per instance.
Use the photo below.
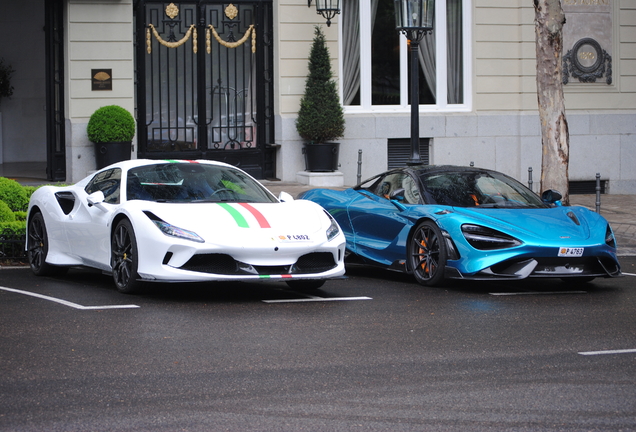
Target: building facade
(224, 81)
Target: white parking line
(68, 303)
(623, 351)
(316, 299)
(537, 293)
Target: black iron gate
(204, 82)
(55, 131)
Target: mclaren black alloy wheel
(38, 248)
(427, 254)
(305, 284)
(124, 258)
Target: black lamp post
(414, 18)
(327, 8)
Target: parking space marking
(316, 299)
(68, 303)
(537, 293)
(623, 351)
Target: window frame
(441, 71)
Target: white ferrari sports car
(181, 221)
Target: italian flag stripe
(258, 215)
(238, 217)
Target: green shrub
(320, 117)
(13, 194)
(29, 190)
(111, 123)
(6, 214)
(12, 241)
(15, 228)
(20, 216)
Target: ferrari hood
(548, 223)
(236, 221)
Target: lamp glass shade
(331, 7)
(414, 14)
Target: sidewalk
(619, 210)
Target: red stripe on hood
(258, 215)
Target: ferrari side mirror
(95, 199)
(285, 197)
(551, 196)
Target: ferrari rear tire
(38, 248)
(125, 258)
(427, 254)
(305, 285)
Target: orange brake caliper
(424, 265)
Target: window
(374, 60)
(108, 182)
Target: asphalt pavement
(619, 210)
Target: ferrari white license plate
(571, 252)
(294, 238)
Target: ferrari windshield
(193, 182)
(477, 188)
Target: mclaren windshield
(477, 188)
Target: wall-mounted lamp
(327, 8)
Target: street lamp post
(414, 18)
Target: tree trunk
(555, 138)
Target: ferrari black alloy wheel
(38, 248)
(427, 254)
(124, 258)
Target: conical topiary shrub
(320, 117)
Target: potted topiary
(111, 128)
(321, 117)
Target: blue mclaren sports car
(451, 222)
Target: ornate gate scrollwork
(211, 101)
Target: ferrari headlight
(333, 229)
(483, 238)
(610, 240)
(174, 231)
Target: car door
(380, 223)
(89, 230)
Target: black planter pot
(107, 153)
(321, 157)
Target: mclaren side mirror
(397, 195)
(552, 196)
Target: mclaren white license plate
(571, 252)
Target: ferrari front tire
(427, 254)
(38, 248)
(125, 259)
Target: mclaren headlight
(174, 231)
(333, 229)
(483, 238)
(610, 240)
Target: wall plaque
(587, 40)
(101, 79)
(587, 61)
